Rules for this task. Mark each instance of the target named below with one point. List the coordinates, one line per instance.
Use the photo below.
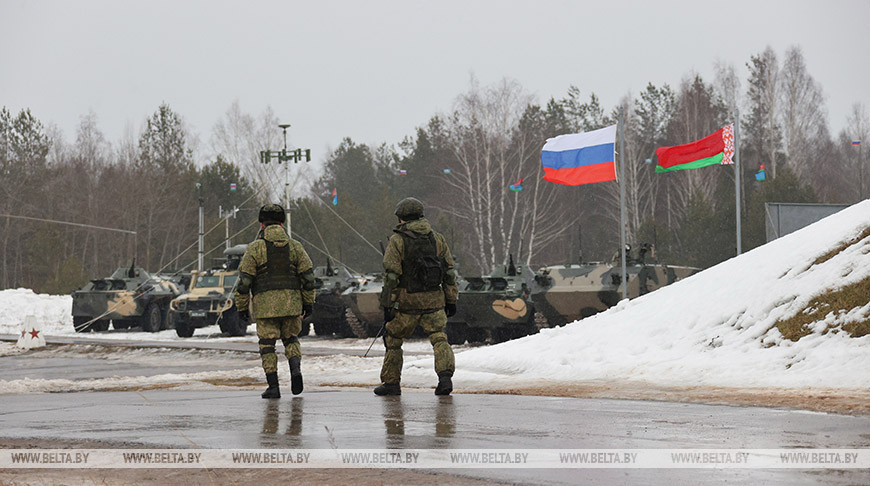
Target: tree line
(461, 164)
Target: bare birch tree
(802, 115)
(858, 130)
(239, 138)
(491, 152)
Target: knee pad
(437, 337)
(267, 346)
(392, 342)
(290, 340)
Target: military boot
(388, 389)
(273, 391)
(445, 383)
(295, 375)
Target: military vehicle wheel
(457, 333)
(100, 326)
(232, 325)
(375, 330)
(164, 319)
(344, 330)
(322, 329)
(510, 331)
(476, 335)
(501, 334)
(79, 323)
(121, 323)
(152, 319)
(183, 328)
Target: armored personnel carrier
(566, 293)
(363, 312)
(210, 300)
(130, 297)
(497, 306)
(330, 310)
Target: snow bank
(53, 311)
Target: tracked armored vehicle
(363, 306)
(131, 297)
(567, 293)
(210, 300)
(330, 310)
(497, 306)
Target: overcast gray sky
(374, 70)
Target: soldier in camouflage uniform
(278, 272)
(419, 290)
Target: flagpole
(737, 175)
(621, 132)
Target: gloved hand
(307, 309)
(389, 314)
(244, 315)
(450, 309)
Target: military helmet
(272, 213)
(409, 209)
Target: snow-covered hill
(714, 328)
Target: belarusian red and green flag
(714, 149)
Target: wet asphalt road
(358, 419)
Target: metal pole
(737, 176)
(287, 196)
(621, 131)
(200, 251)
(286, 183)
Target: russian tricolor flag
(580, 158)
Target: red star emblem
(34, 333)
(23, 333)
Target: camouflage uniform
(278, 313)
(425, 309)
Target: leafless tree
(699, 113)
(240, 137)
(802, 112)
(491, 152)
(858, 129)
